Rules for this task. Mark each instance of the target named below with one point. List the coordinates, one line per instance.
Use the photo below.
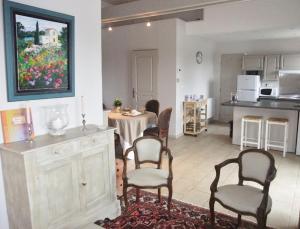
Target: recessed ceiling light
(109, 28)
(148, 24)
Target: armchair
(148, 149)
(162, 129)
(254, 165)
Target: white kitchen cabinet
(60, 182)
(272, 65)
(290, 62)
(253, 62)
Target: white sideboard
(60, 182)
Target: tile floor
(193, 166)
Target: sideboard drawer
(57, 152)
(93, 141)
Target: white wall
(193, 78)
(274, 46)
(117, 46)
(87, 71)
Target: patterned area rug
(149, 214)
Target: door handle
(84, 183)
(133, 93)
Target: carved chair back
(152, 106)
(255, 165)
(148, 149)
(164, 122)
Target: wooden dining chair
(162, 129)
(148, 149)
(254, 165)
(152, 106)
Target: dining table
(130, 127)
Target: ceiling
(118, 2)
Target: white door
(231, 67)
(144, 76)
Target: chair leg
(239, 220)
(159, 195)
(170, 188)
(261, 222)
(265, 222)
(212, 212)
(125, 196)
(167, 141)
(137, 195)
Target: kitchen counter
(268, 108)
(267, 104)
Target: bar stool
(244, 130)
(268, 142)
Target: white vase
(57, 119)
(118, 109)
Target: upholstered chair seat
(147, 177)
(243, 198)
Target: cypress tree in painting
(37, 34)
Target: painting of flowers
(42, 54)
(39, 52)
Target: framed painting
(39, 52)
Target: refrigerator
(248, 87)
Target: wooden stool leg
(242, 135)
(266, 135)
(285, 139)
(246, 133)
(259, 135)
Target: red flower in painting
(57, 83)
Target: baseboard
(176, 136)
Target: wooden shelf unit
(194, 117)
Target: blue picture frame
(38, 80)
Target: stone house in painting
(50, 38)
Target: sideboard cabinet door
(95, 181)
(59, 192)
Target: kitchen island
(267, 109)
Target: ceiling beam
(144, 16)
